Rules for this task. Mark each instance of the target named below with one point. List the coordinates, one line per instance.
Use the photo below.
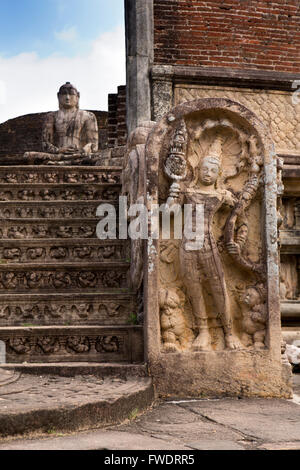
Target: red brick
(261, 33)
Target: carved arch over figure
(249, 173)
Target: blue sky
(46, 42)
(35, 25)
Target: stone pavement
(210, 424)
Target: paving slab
(280, 446)
(97, 440)
(171, 421)
(207, 424)
(269, 420)
(215, 445)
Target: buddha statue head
(68, 97)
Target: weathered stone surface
(45, 175)
(23, 134)
(74, 369)
(175, 424)
(73, 344)
(61, 251)
(275, 108)
(61, 192)
(52, 403)
(133, 187)
(2, 352)
(223, 333)
(104, 308)
(55, 271)
(262, 419)
(215, 445)
(68, 134)
(139, 55)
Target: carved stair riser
(56, 276)
(62, 251)
(106, 344)
(48, 210)
(81, 311)
(45, 229)
(63, 279)
(63, 192)
(42, 175)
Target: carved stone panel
(89, 250)
(275, 108)
(70, 344)
(16, 192)
(61, 279)
(44, 175)
(91, 309)
(212, 302)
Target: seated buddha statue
(70, 135)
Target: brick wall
(246, 34)
(117, 129)
(24, 133)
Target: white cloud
(67, 34)
(29, 84)
(2, 92)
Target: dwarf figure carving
(40, 231)
(254, 317)
(17, 233)
(174, 331)
(5, 312)
(33, 280)
(9, 280)
(11, 253)
(20, 345)
(64, 232)
(78, 344)
(51, 177)
(58, 252)
(106, 252)
(86, 231)
(82, 310)
(87, 279)
(83, 252)
(48, 345)
(108, 344)
(11, 178)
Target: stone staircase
(64, 294)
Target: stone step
(73, 344)
(101, 308)
(99, 160)
(47, 403)
(64, 210)
(43, 229)
(67, 278)
(57, 174)
(74, 369)
(60, 251)
(59, 192)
